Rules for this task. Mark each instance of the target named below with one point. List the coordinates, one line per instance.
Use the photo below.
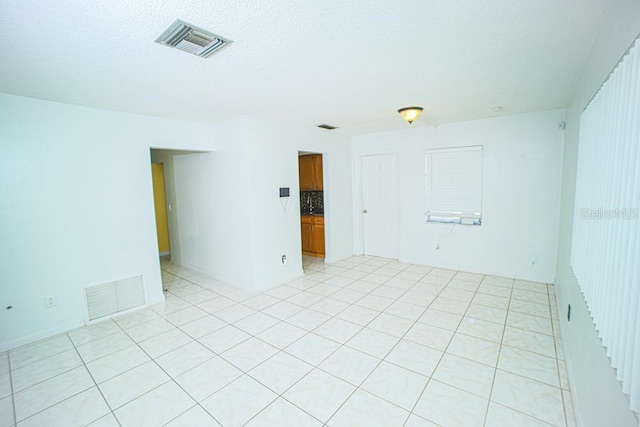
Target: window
(453, 183)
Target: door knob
(364, 211)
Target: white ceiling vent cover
(114, 297)
(192, 39)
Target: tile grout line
(332, 353)
(523, 376)
(555, 347)
(430, 377)
(12, 395)
(171, 379)
(445, 349)
(414, 323)
(281, 395)
(112, 411)
(62, 373)
(137, 344)
(343, 345)
(495, 372)
(47, 379)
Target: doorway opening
(172, 203)
(312, 207)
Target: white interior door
(379, 184)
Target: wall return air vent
(192, 39)
(110, 298)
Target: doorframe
(358, 202)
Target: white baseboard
(40, 335)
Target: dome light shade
(410, 113)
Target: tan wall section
(160, 202)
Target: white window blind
(605, 253)
(453, 183)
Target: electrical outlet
(534, 259)
(49, 302)
(569, 313)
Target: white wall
(195, 206)
(273, 157)
(521, 195)
(76, 207)
(233, 259)
(597, 394)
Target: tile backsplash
(311, 202)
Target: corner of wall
(597, 394)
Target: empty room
(297, 213)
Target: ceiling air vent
(192, 39)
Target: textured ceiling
(351, 64)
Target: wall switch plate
(49, 302)
(284, 260)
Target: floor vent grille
(114, 297)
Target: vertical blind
(605, 253)
(453, 182)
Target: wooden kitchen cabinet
(317, 236)
(306, 229)
(310, 172)
(305, 172)
(312, 230)
(317, 174)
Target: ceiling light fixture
(410, 113)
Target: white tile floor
(363, 342)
